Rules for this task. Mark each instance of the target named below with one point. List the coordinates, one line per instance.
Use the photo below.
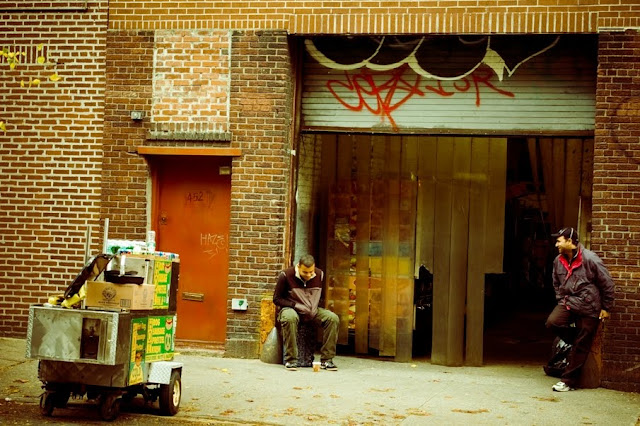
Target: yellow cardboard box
(102, 294)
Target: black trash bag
(559, 358)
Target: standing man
(297, 295)
(584, 292)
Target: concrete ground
(364, 391)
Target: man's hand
(302, 309)
(603, 314)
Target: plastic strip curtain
(371, 234)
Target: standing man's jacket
(292, 292)
(584, 285)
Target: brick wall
(405, 16)
(128, 88)
(261, 111)
(616, 203)
(257, 69)
(56, 181)
(191, 81)
(50, 168)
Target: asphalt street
(364, 391)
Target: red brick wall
(261, 111)
(50, 168)
(259, 124)
(191, 80)
(128, 88)
(403, 16)
(55, 183)
(616, 201)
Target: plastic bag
(559, 358)
(272, 348)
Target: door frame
(151, 154)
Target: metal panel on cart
(93, 337)
(87, 374)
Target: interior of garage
(438, 247)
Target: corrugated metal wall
(490, 84)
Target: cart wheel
(127, 397)
(61, 398)
(110, 407)
(47, 403)
(170, 395)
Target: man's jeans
(289, 319)
(581, 336)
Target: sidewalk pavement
(364, 391)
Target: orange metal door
(191, 212)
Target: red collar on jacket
(576, 262)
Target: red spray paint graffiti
(383, 97)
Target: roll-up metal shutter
(443, 84)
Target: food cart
(111, 336)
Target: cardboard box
(101, 294)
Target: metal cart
(107, 355)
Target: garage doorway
(374, 209)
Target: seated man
(297, 296)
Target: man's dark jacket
(292, 292)
(584, 284)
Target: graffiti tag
(383, 97)
(213, 244)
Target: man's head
(566, 240)
(306, 267)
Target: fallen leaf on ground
(546, 398)
(417, 412)
(481, 410)
(381, 390)
(316, 417)
(187, 408)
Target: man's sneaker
(562, 387)
(328, 365)
(291, 366)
